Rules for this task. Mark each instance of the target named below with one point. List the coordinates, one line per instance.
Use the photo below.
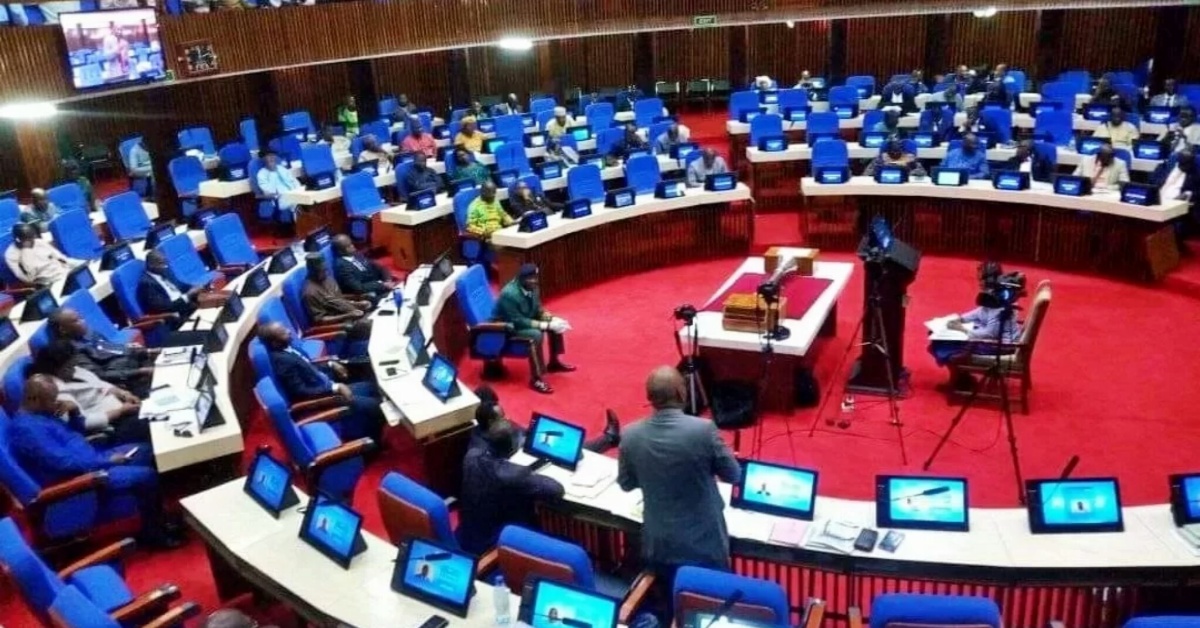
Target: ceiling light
(984, 12)
(28, 110)
(515, 43)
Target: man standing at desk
(968, 157)
(273, 181)
(51, 452)
(358, 275)
(709, 163)
(128, 366)
(36, 261)
(520, 305)
(673, 457)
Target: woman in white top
(97, 405)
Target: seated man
(358, 275)
(326, 305)
(36, 261)
(1027, 160)
(477, 110)
(559, 124)
(99, 406)
(973, 124)
(674, 136)
(982, 327)
(1169, 97)
(916, 82)
(159, 292)
(1176, 178)
(565, 155)
(709, 163)
(899, 96)
(41, 211)
(1105, 171)
(128, 366)
(418, 142)
(421, 176)
(950, 94)
(522, 200)
(337, 143)
(1104, 94)
(373, 151)
(894, 155)
(510, 106)
(485, 216)
(465, 167)
(1119, 132)
(1183, 133)
(968, 156)
(489, 412)
(405, 106)
(520, 305)
(630, 142)
(274, 180)
(468, 136)
(496, 492)
(890, 124)
(300, 380)
(51, 452)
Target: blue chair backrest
(97, 320)
(1081, 80)
(543, 117)
(1015, 81)
(871, 118)
(293, 291)
(10, 214)
(287, 146)
(68, 197)
(360, 195)
(317, 159)
(235, 157)
(531, 180)
(1123, 155)
(401, 179)
(14, 383)
(538, 105)
(1058, 89)
(124, 282)
(228, 241)
(276, 407)
(714, 586)
(183, 260)
(599, 116)
(511, 156)
(125, 216)
(297, 121)
(7, 277)
(792, 98)
(933, 610)
(462, 205)
(742, 101)
(388, 106)
(379, 128)
(765, 125)
(1164, 621)
(19, 483)
(608, 139)
(822, 122)
(398, 494)
(75, 237)
(646, 110)
(525, 554)
(642, 173)
(75, 610)
(126, 147)
(1056, 124)
(510, 128)
(197, 137)
(864, 84)
(458, 114)
(585, 182)
(831, 153)
(248, 129)
(37, 584)
(186, 174)
(1047, 151)
(656, 131)
(998, 122)
(475, 296)
(843, 95)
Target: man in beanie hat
(520, 305)
(559, 124)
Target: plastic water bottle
(500, 599)
(847, 412)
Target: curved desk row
(803, 152)
(415, 236)
(1095, 233)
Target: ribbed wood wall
(881, 48)
(782, 52)
(1005, 38)
(1116, 38)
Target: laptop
(435, 574)
(38, 306)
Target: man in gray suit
(673, 457)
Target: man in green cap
(520, 305)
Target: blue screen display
(623, 199)
(269, 480)
(937, 500)
(1191, 495)
(8, 333)
(1098, 112)
(1089, 146)
(333, 526)
(890, 175)
(1135, 195)
(537, 139)
(551, 170)
(424, 200)
(844, 113)
(556, 606)
(122, 254)
(1147, 150)
(1008, 182)
(1070, 187)
(779, 487)
(923, 140)
(874, 140)
(724, 181)
(440, 377)
(439, 573)
(832, 176)
(948, 177)
(1080, 502)
(555, 440)
(797, 115)
(774, 144)
(416, 343)
(581, 133)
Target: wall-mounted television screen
(112, 48)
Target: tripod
(697, 397)
(993, 376)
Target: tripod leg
(812, 428)
(957, 419)
(1006, 410)
(893, 389)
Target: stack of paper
(789, 532)
(831, 535)
(938, 330)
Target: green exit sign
(702, 21)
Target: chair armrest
(108, 554)
(147, 604)
(494, 326)
(174, 617)
(321, 328)
(345, 451)
(155, 318)
(328, 335)
(488, 561)
(147, 323)
(70, 488)
(267, 251)
(642, 586)
(814, 613)
(854, 617)
(20, 290)
(318, 403)
(467, 235)
(233, 270)
(189, 194)
(332, 414)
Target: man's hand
(148, 371)
(362, 305)
(195, 291)
(559, 326)
(343, 391)
(125, 396)
(130, 409)
(66, 407)
(339, 371)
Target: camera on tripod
(1001, 290)
(686, 313)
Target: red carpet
(1113, 382)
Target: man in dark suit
(1026, 159)
(159, 292)
(900, 93)
(126, 365)
(301, 380)
(355, 274)
(673, 457)
(1178, 178)
(496, 492)
(520, 305)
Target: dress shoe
(560, 367)
(612, 427)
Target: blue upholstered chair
(267, 207)
(229, 242)
(524, 556)
(187, 173)
(312, 445)
(742, 101)
(184, 261)
(1055, 126)
(473, 250)
(124, 284)
(125, 216)
(845, 97)
(197, 137)
(140, 185)
(248, 130)
(314, 346)
(822, 122)
(297, 124)
(646, 110)
(608, 138)
(765, 125)
(1164, 621)
(320, 169)
(75, 237)
(10, 214)
(68, 197)
(511, 156)
(71, 608)
(642, 173)
(585, 181)
(701, 589)
(362, 201)
(98, 321)
(951, 611)
(379, 128)
(235, 161)
(999, 123)
(538, 105)
(864, 84)
(831, 153)
(14, 382)
(510, 128)
(600, 116)
(410, 510)
(487, 340)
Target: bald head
(41, 395)
(275, 335)
(343, 245)
(229, 618)
(664, 388)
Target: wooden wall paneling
(592, 63)
(692, 54)
(496, 72)
(424, 77)
(12, 171)
(782, 53)
(1188, 48)
(32, 65)
(1110, 39)
(1007, 37)
(319, 89)
(883, 47)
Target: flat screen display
(112, 48)
(415, 350)
(720, 182)
(581, 133)
(557, 605)
(949, 176)
(555, 440)
(831, 175)
(435, 574)
(1185, 498)
(440, 378)
(891, 175)
(776, 489)
(80, 278)
(333, 529)
(1076, 505)
(1147, 149)
(921, 503)
(269, 483)
(1069, 185)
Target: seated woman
(88, 403)
(982, 327)
(522, 200)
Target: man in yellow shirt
(1117, 130)
(485, 216)
(468, 136)
(559, 124)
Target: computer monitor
(921, 503)
(844, 112)
(442, 267)
(831, 175)
(8, 333)
(532, 221)
(256, 283)
(669, 189)
(776, 489)
(506, 178)
(1010, 180)
(38, 306)
(1097, 112)
(548, 170)
(557, 605)
(414, 323)
(317, 239)
(197, 368)
(158, 233)
(435, 574)
(925, 139)
(200, 219)
(796, 114)
(577, 208)
(1139, 194)
(768, 97)
(873, 139)
(282, 261)
(535, 140)
(461, 185)
(1161, 115)
(620, 197)
(1185, 498)
(416, 350)
(1071, 185)
(441, 378)
(216, 340)
(889, 175)
(580, 133)
(721, 182)
(950, 176)
(486, 125)
(421, 199)
(115, 255)
(1148, 149)
(492, 145)
(269, 484)
(1089, 145)
(208, 415)
(1042, 107)
(1074, 505)
(683, 149)
(232, 310)
(772, 144)
(708, 619)
(333, 529)
(79, 278)
(554, 440)
(746, 115)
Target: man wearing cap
(274, 180)
(520, 305)
(559, 124)
(468, 136)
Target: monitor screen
(1009, 181)
(681, 151)
(1076, 505)
(258, 281)
(550, 170)
(831, 175)
(80, 278)
(416, 345)
(701, 619)
(269, 482)
(949, 176)
(1139, 194)
(1089, 145)
(112, 48)
(768, 97)
(440, 378)
(317, 239)
(844, 112)
(493, 144)
(557, 605)
(773, 144)
(795, 114)
(776, 489)
(623, 198)
(555, 440)
(283, 261)
(881, 233)
(891, 175)
(921, 503)
(1099, 113)
(332, 528)
(1070, 185)
(1148, 149)
(8, 333)
(1185, 498)
(119, 254)
(533, 221)
(39, 305)
(435, 574)
(923, 139)
(720, 182)
(578, 208)
(581, 133)
(1161, 115)
(423, 199)
(874, 139)
(536, 140)
(487, 125)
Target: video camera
(999, 289)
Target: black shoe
(161, 540)
(541, 386)
(612, 427)
(494, 371)
(560, 367)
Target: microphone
(937, 490)
(726, 606)
(1071, 464)
(787, 266)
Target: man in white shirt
(1179, 180)
(1117, 130)
(1183, 133)
(274, 181)
(559, 124)
(1104, 169)
(92, 403)
(35, 261)
(709, 163)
